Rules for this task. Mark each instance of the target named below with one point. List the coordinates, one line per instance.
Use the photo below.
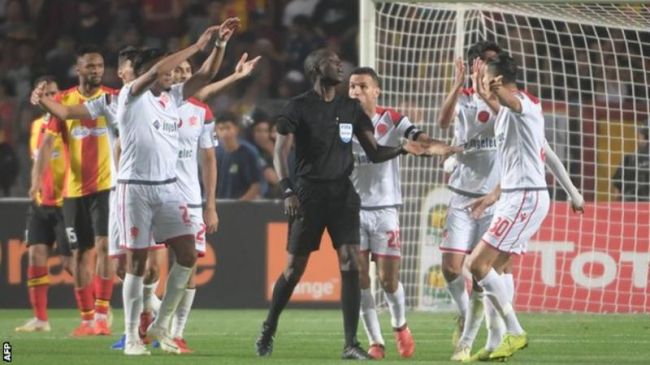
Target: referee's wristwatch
(287, 193)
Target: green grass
(315, 337)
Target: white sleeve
(206, 140)
(557, 169)
(407, 129)
(96, 107)
(176, 93)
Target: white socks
(495, 326)
(149, 293)
(458, 292)
(183, 313)
(396, 306)
(509, 283)
(132, 301)
(177, 281)
(369, 317)
(495, 289)
(473, 318)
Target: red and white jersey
(148, 127)
(477, 172)
(378, 184)
(195, 131)
(106, 106)
(520, 140)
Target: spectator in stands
(238, 164)
(260, 137)
(302, 40)
(631, 182)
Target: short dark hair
(227, 117)
(85, 49)
(312, 62)
(146, 58)
(478, 49)
(127, 53)
(367, 71)
(505, 66)
(47, 78)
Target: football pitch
(315, 337)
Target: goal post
(589, 63)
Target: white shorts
(198, 226)
(151, 211)
(379, 232)
(114, 246)
(462, 232)
(517, 217)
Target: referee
(322, 125)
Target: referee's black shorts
(85, 218)
(324, 204)
(45, 226)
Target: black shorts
(45, 226)
(86, 217)
(333, 205)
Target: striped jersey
(106, 106)
(54, 174)
(520, 140)
(477, 172)
(196, 130)
(378, 184)
(87, 147)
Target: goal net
(589, 63)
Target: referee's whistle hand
(291, 205)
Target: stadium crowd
(41, 37)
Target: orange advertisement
(321, 281)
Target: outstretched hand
(245, 67)
(578, 205)
(228, 28)
(203, 43)
(442, 149)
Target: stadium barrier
(575, 263)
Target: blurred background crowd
(39, 37)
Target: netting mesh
(589, 63)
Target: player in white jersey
(378, 186)
(476, 175)
(523, 199)
(196, 134)
(149, 203)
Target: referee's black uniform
(323, 141)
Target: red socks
(37, 284)
(103, 292)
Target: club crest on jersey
(194, 120)
(345, 132)
(483, 116)
(381, 129)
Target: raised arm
(447, 111)
(62, 112)
(167, 64)
(211, 65)
(557, 169)
(242, 70)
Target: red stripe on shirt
(90, 160)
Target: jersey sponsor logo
(483, 116)
(488, 143)
(80, 132)
(185, 154)
(165, 126)
(98, 131)
(345, 132)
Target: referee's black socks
(350, 303)
(281, 294)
